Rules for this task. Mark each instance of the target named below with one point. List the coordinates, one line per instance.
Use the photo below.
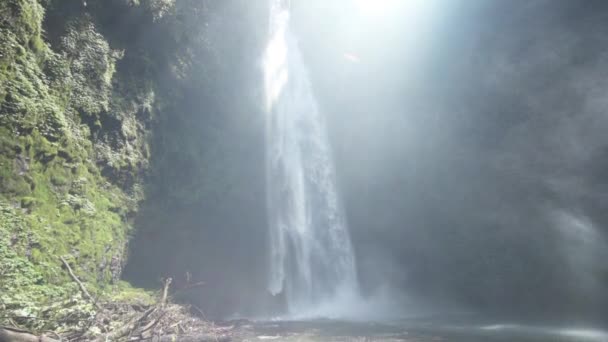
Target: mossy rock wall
(73, 150)
(103, 102)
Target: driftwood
(164, 322)
(163, 299)
(8, 334)
(80, 284)
(159, 322)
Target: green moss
(17, 186)
(37, 45)
(124, 292)
(72, 150)
(28, 202)
(23, 18)
(34, 174)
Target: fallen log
(8, 334)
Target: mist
(469, 155)
(469, 147)
(237, 170)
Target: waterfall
(311, 256)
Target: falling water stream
(311, 256)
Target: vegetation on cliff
(72, 149)
(76, 112)
(101, 107)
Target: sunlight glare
(375, 7)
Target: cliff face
(73, 148)
(84, 87)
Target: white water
(311, 257)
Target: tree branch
(82, 287)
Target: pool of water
(419, 330)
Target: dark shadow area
(203, 220)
